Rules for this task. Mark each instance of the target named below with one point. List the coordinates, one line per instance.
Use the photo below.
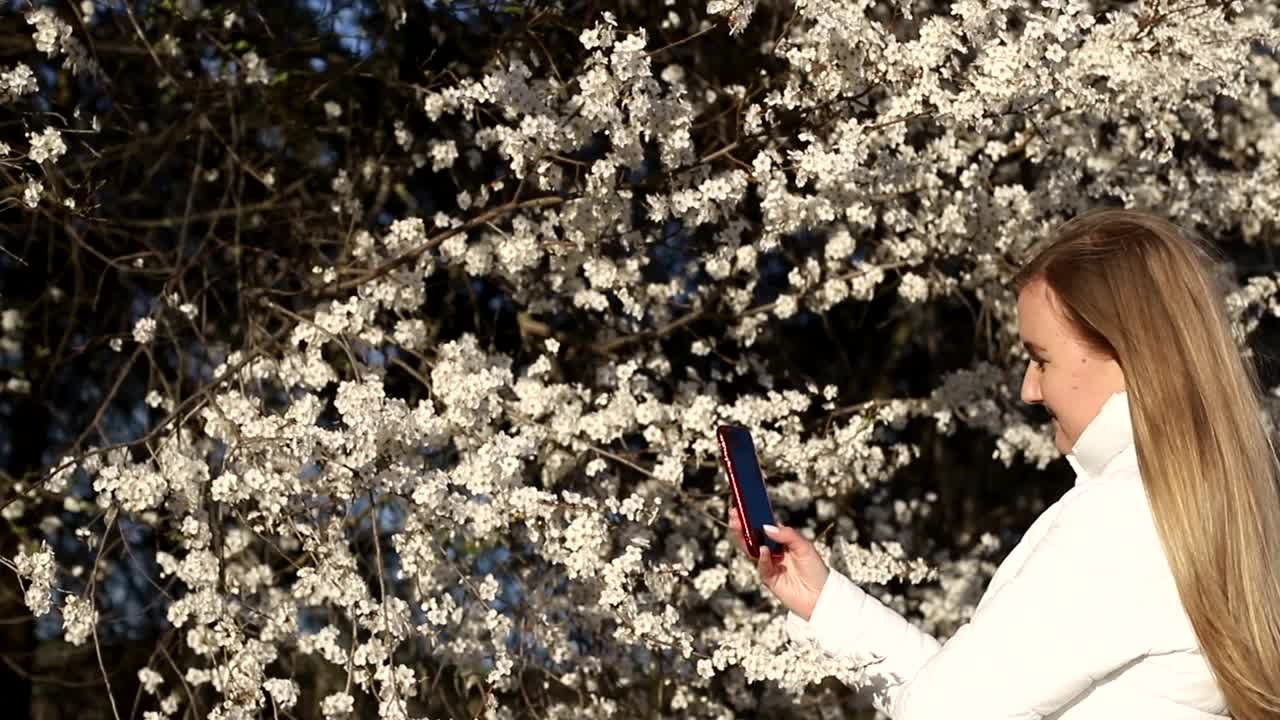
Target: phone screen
(739, 455)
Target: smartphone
(738, 454)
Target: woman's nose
(1031, 386)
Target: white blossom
(33, 192)
(150, 680)
(78, 619)
(337, 706)
(39, 570)
(51, 33)
(255, 70)
(46, 145)
(284, 692)
(10, 320)
(144, 330)
(15, 82)
(913, 288)
(443, 154)
(739, 12)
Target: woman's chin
(1060, 439)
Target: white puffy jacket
(1081, 621)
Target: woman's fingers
(766, 566)
(735, 529)
(805, 570)
(792, 540)
(782, 534)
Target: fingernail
(771, 529)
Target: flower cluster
(10, 346)
(39, 570)
(16, 82)
(47, 145)
(53, 37)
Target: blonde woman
(1151, 589)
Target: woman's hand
(796, 576)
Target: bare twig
(683, 40)
(93, 586)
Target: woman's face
(1069, 378)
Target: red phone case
(748, 534)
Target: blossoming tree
(422, 317)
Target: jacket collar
(1108, 435)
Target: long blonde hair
(1138, 288)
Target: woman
(1151, 589)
